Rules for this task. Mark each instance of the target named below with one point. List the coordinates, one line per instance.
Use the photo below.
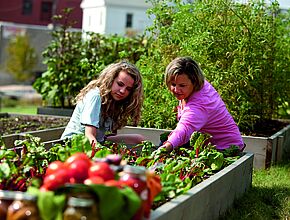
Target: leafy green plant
(25, 165)
(61, 58)
(19, 170)
(74, 58)
(179, 170)
(21, 58)
(243, 50)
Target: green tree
(74, 58)
(242, 48)
(21, 58)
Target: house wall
(12, 11)
(94, 19)
(109, 16)
(116, 20)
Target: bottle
(135, 177)
(81, 208)
(6, 198)
(23, 207)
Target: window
(129, 20)
(46, 11)
(27, 7)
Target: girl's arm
(91, 133)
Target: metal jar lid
(80, 202)
(16, 195)
(138, 170)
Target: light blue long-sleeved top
(88, 112)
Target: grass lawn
(269, 197)
(26, 109)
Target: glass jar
(23, 207)
(6, 198)
(135, 177)
(83, 208)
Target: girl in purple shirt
(200, 107)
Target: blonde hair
(184, 65)
(121, 111)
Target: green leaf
(50, 205)
(4, 170)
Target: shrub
(21, 58)
(242, 48)
(74, 58)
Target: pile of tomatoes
(79, 168)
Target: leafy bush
(242, 48)
(74, 58)
(21, 58)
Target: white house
(126, 16)
(284, 4)
(115, 16)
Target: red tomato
(54, 166)
(56, 179)
(94, 180)
(78, 170)
(78, 156)
(101, 169)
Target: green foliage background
(74, 58)
(21, 58)
(243, 49)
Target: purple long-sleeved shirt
(206, 112)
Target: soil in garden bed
(265, 128)
(24, 123)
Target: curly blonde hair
(120, 111)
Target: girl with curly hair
(108, 104)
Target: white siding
(94, 19)
(109, 16)
(116, 19)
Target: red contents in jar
(135, 177)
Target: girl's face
(181, 87)
(122, 86)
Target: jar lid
(24, 196)
(17, 195)
(9, 195)
(80, 202)
(135, 169)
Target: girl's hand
(91, 133)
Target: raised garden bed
(16, 126)
(212, 197)
(46, 110)
(267, 150)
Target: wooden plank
(47, 134)
(150, 134)
(258, 146)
